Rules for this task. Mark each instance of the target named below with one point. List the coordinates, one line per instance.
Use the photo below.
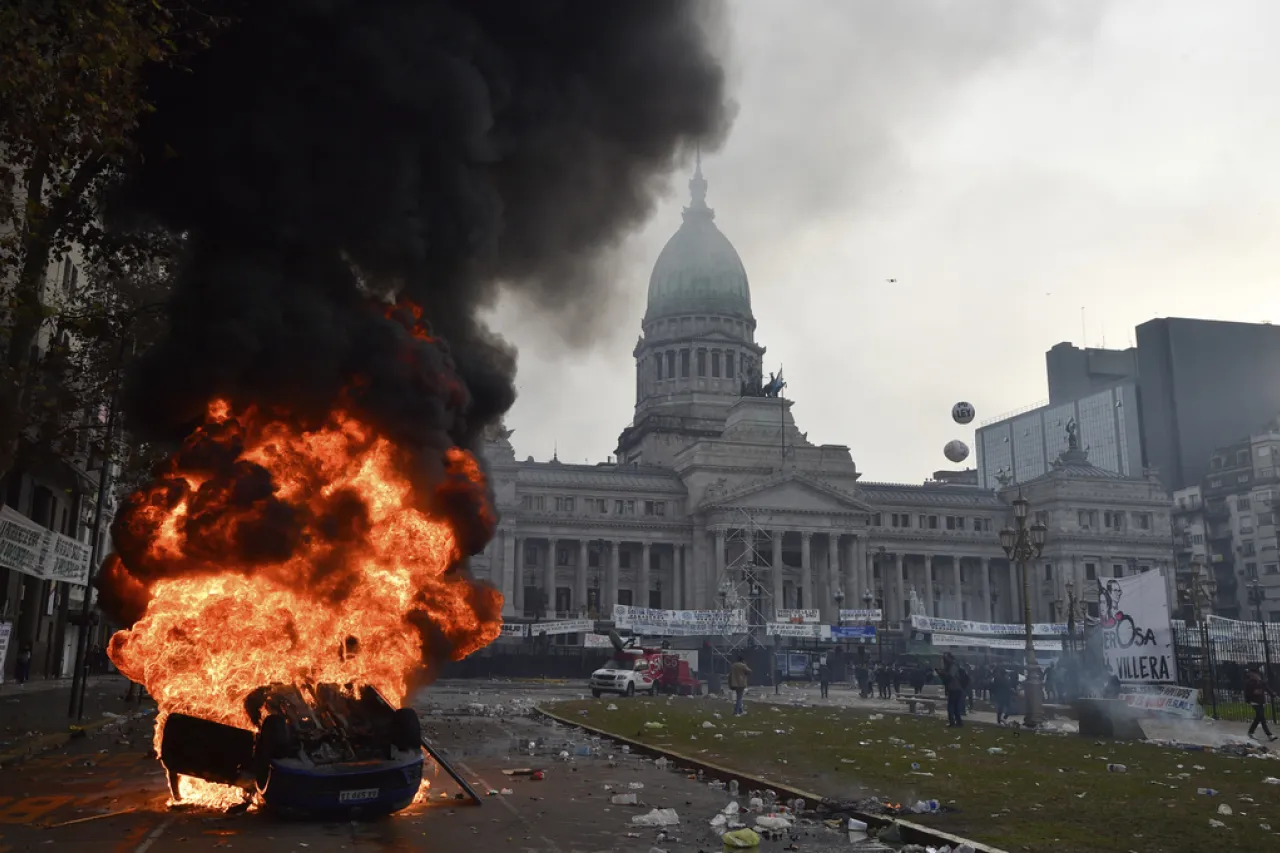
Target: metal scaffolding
(746, 582)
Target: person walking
(953, 683)
(22, 672)
(738, 675)
(824, 677)
(1256, 692)
(1001, 694)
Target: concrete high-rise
(1202, 384)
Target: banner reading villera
(1137, 639)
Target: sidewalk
(33, 716)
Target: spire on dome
(698, 190)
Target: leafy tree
(71, 94)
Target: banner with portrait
(1133, 621)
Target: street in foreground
(103, 793)
(1011, 789)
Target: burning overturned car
(327, 750)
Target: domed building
(717, 501)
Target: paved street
(61, 797)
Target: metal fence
(1214, 656)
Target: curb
(57, 740)
(912, 833)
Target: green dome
(698, 271)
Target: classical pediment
(789, 491)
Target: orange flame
(311, 561)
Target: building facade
(1022, 446)
(717, 494)
(1227, 527)
(1202, 384)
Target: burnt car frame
(322, 751)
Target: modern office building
(1202, 384)
(1078, 372)
(1021, 446)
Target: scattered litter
(741, 838)
(623, 799)
(657, 817)
(1224, 810)
(1117, 768)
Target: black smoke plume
(321, 155)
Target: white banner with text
(35, 550)
(1137, 638)
(679, 623)
(990, 629)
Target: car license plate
(358, 796)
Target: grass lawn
(1043, 793)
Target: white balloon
(963, 413)
(956, 451)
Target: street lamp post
(838, 595)
(1023, 544)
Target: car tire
(406, 730)
(595, 693)
(272, 743)
(631, 689)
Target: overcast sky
(1009, 162)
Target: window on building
(1242, 457)
(1272, 568)
(702, 362)
(1251, 570)
(876, 519)
(624, 597)
(1142, 520)
(728, 365)
(977, 525)
(1048, 571)
(1090, 572)
(951, 522)
(562, 558)
(1197, 538)
(526, 501)
(655, 507)
(1247, 549)
(715, 365)
(655, 599)
(530, 554)
(593, 558)
(1242, 502)
(671, 364)
(657, 367)
(1113, 520)
(624, 558)
(655, 561)
(562, 599)
(1088, 518)
(684, 364)
(564, 504)
(1117, 570)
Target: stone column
(686, 579)
(894, 591)
(611, 582)
(549, 577)
(719, 564)
(853, 569)
(984, 566)
(777, 574)
(930, 608)
(643, 574)
(508, 573)
(517, 575)
(957, 575)
(806, 569)
(580, 578)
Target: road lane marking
(26, 811)
(154, 836)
